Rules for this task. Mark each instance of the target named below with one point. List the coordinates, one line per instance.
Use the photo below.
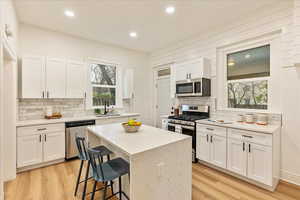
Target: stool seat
(112, 169)
(102, 149)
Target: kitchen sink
(108, 115)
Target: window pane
(248, 95)
(103, 74)
(102, 95)
(251, 63)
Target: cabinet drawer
(34, 130)
(249, 136)
(216, 130)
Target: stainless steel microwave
(198, 87)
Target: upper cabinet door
(199, 69)
(76, 81)
(173, 82)
(33, 77)
(260, 163)
(181, 72)
(55, 78)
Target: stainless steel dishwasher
(73, 129)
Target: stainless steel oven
(196, 87)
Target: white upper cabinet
(195, 69)
(55, 78)
(42, 77)
(128, 83)
(173, 82)
(32, 77)
(76, 79)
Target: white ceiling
(110, 21)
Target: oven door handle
(188, 127)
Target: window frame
(117, 86)
(222, 82)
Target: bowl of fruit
(131, 126)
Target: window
(104, 84)
(248, 72)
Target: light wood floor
(57, 183)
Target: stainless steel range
(185, 123)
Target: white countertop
(269, 129)
(69, 119)
(146, 139)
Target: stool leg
(78, 178)
(120, 187)
(112, 187)
(104, 192)
(94, 190)
(86, 179)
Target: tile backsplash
(273, 118)
(31, 109)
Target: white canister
(249, 118)
(240, 118)
(48, 111)
(262, 119)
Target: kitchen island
(160, 161)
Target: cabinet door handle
(249, 148)
(40, 138)
(43, 94)
(45, 138)
(207, 138)
(210, 129)
(85, 95)
(243, 146)
(41, 129)
(48, 94)
(190, 76)
(211, 138)
(247, 136)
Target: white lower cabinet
(211, 145)
(260, 163)
(39, 144)
(30, 150)
(54, 146)
(218, 150)
(245, 153)
(237, 157)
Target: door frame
(155, 78)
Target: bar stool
(107, 171)
(83, 156)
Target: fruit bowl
(131, 126)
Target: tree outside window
(103, 79)
(247, 78)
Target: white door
(237, 156)
(163, 98)
(203, 146)
(76, 79)
(260, 163)
(33, 77)
(55, 78)
(30, 150)
(54, 146)
(218, 151)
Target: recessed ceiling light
(170, 10)
(247, 56)
(69, 13)
(133, 34)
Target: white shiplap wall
(269, 19)
(297, 33)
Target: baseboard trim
(23, 169)
(290, 177)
